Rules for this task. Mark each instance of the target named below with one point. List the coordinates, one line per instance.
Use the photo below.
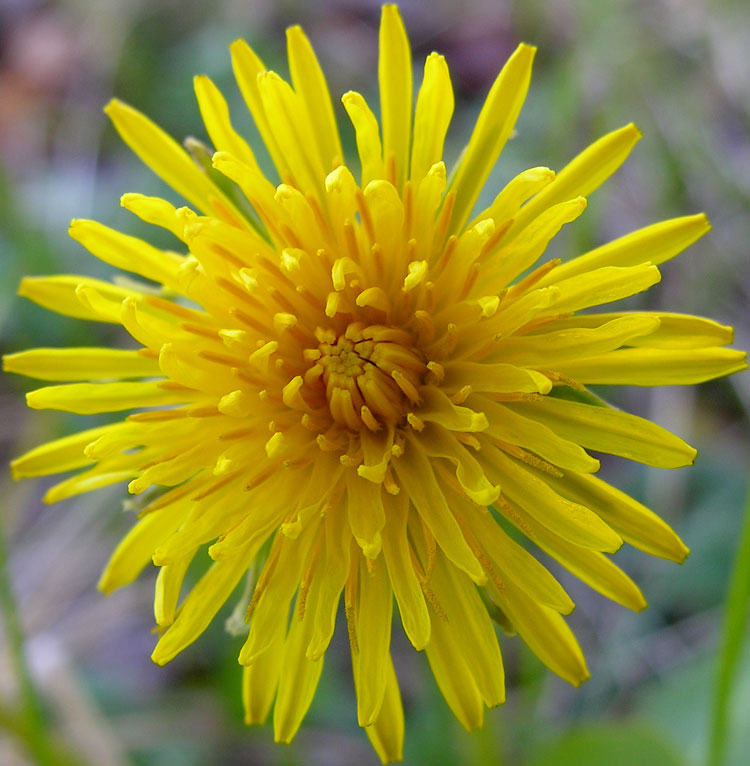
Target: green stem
(35, 731)
(735, 619)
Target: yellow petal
(299, 679)
(438, 442)
(260, 680)
(367, 133)
(549, 349)
(386, 733)
(201, 605)
(167, 158)
(654, 244)
(395, 80)
(88, 398)
(493, 128)
(606, 429)
(638, 525)
(247, 66)
(159, 212)
(586, 172)
(656, 366)
(674, 330)
(436, 407)
(167, 589)
(453, 676)
(418, 480)
(517, 191)
(432, 117)
(494, 378)
(310, 84)
(373, 613)
(522, 252)
(285, 112)
(80, 364)
(58, 293)
(409, 596)
(330, 582)
(366, 513)
(509, 426)
(546, 633)
(572, 521)
(215, 114)
(135, 550)
(472, 630)
(59, 455)
(126, 252)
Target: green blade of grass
(735, 623)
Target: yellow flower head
(357, 384)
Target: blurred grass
(676, 69)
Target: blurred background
(678, 68)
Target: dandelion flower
(353, 383)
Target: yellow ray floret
(350, 387)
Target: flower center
(370, 375)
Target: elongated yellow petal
(638, 525)
(386, 733)
(260, 680)
(550, 349)
(159, 212)
(285, 111)
(453, 676)
(247, 66)
(88, 398)
(610, 283)
(572, 521)
(395, 81)
(432, 117)
(674, 330)
(523, 251)
(546, 633)
(609, 430)
(656, 366)
(101, 475)
(589, 170)
(126, 252)
(298, 682)
(199, 608)
(509, 426)
(514, 562)
(310, 84)
(517, 191)
(374, 611)
(472, 630)
(494, 378)
(367, 132)
(438, 442)
(166, 158)
(330, 582)
(59, 455)
(215, 114)
(416, 475)
(654, 244)
(58, 293)
(409, 596)
(80, 364)
(366, 513)
(134, 551)
(494, 126)
(167, 590)
(595, 569)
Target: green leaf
(735, 622)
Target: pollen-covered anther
(369, 375)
